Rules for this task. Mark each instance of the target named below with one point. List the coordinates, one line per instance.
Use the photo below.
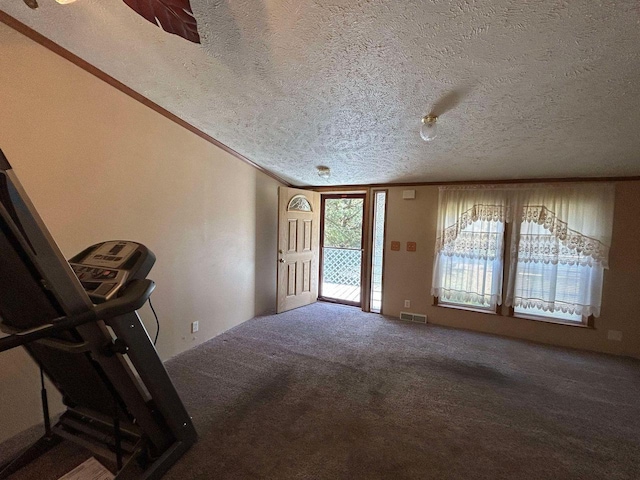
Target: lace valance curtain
(469, 246)
(560, 247)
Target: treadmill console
(104, 268)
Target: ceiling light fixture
(65, 2)
(429, 128)
(324, 172)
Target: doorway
(342, 242)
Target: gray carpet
(328, 392)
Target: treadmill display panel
(111, 254)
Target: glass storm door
(341, 252)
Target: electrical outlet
(614, 335)
(195, 326)
(407, 304)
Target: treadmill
(78, 321)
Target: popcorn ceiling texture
(523, 89)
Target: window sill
(468, 309)
(536, 318)
(518, 316)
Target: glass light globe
(429, 128)
(324, 172)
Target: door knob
(281, 260)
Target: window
(539, 280)
(469, 252)
(560, 237)
(558, 248)
(377, 256)
(472, 266)
(299, 203)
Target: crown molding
(349, 188)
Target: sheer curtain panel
(469, 246)
(559, 249)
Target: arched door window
(299, 203)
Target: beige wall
(98, 166)
(407, 276)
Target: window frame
(469, 308)
(588, 322)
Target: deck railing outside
(341, 269)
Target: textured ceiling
(524, 89)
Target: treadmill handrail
(132, 298)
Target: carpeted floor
(328, 392)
